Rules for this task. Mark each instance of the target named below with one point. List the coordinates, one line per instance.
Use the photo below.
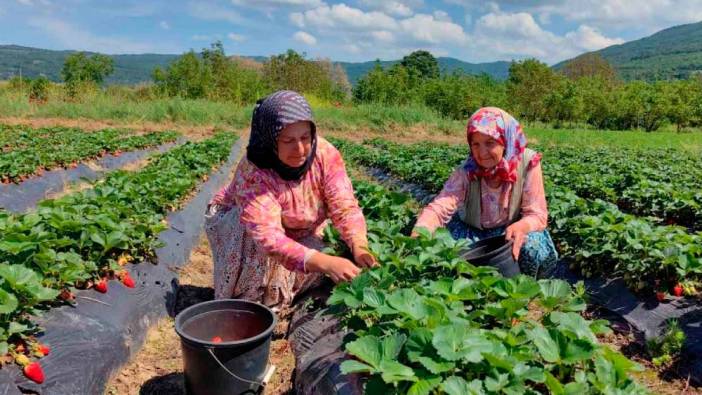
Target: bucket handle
(258, 384)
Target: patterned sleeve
(261, 215)
(343, 208)
(534, 208)
(225, 196)
(439, 212)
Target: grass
(138, 104)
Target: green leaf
(455, 385)
(393, 372)
(391, 345)
(424, 386)
(456, 342)
(574, 324)
(409, 302)
(8, 303)
(547, 346)
(436, 367)
(554, 386)
(367, 349)
(353, 366)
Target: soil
(157, 369)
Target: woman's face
(295, 143)
(486, 150)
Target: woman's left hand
(517, 232)
(363, 257)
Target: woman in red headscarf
(498, 189)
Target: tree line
(586, 91)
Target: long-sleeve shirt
(276, 213)
(494, 202)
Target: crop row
(33, 151)
(596, 235)
(81, 239)
(426, 321)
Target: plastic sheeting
(94, 338)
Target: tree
(422, 64)
(529, 82)
(292, 71)
(212, 75)
(80, 68)
(590, 65)
(564, 103)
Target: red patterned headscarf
(498, 124)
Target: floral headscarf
(270, 116)
(501, 126)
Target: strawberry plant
(426, 321)
(26, 152)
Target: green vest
(471, 209)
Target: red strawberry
(43, 348)
(660, 295)
(34, 372)
(678, 290)
(127, 280)
(101, 286)
(216, 339)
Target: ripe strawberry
(660, 295)
(34, 372)
(216, 339)
(127, 280)
(678, 290)
(101, 286)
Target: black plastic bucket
(238, 363)
(496, 252)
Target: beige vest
(470, 212)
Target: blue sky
(350, 30)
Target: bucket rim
(486, 241)
(234, 343)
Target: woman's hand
(363, 257)
(338, 269)
(517, 232)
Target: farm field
(411, 309)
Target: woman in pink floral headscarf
(265, 228)
(499, 189)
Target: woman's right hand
(338, 269)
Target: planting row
(594, 234)
(426, 321)
(29, 152)
(662, 184)
(84, 239)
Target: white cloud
(213, 12)
(305, 38)
(427, 29)
(392, 7)
(75, 38)
(517, 35)
(164, 25)
(341, 16)
(587, 39)
(383, 36)
(278, 3)
(236, 37)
